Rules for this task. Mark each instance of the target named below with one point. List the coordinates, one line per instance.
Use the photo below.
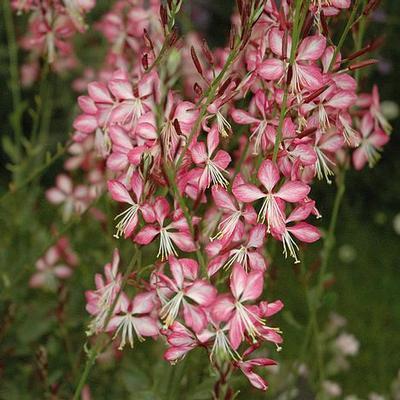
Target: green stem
(14, 76)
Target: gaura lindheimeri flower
(372, 140)
(99, 302)
(184, 290)
(274, 200)
(129, 217)
(214, 168)
(174, 233)
(241, 316)
(131, 318)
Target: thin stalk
(14, 77)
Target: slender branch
(14, 76)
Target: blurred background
(364, 292)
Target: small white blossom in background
(347, 344)
(390, 109)
(376, 396)
(347, 253)
(396, 223)
(332, 389)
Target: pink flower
(305, 74)
(129, 217)
(175, 233)
(50, 268)
(372, 140)
(131, 317)
(272, 207)
(74, 199)
(180, 340)
(99, 302)
(185, 286)
(242, 318)
(214, 168)
(247, 367)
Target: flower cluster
(52, 27)
(210, 155)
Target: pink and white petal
(309, 76)
(254, 379)
(254, 286)
(257, 236)
(37, 280)
(222, 308)
(271, 69)
(114, 323)
(148, 213)
(222, 198)
(175, 353)
(199, 153)
(212, 140)
(146, 326)
(121, 89)
(359, 158)
(195, 317)
(55, 196)
(130, 227)
(268, 174)
(243, 117)
(119, 192)
(247, 193)
(238, 281)
(342, 99)
(268, 309)
(161, 209)
(176, 270)
(222, 159)
(305, 232)
(311, 48)
(257, 261)
(201, 292)
(87, 105)
(216, 264)
(184, 241)
(120, 137)
(137, 185)
(236, 331)
(62, 271)
(378, 138)
(143, 303)
(293, 191)
(85, 123)
(146, 235)
(190, 268)
(99, 93)
(117, 162)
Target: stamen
(166, 246)
(323, 170)
(127, 217)
(170, 310)
(290, 245)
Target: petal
(99, 93)
(222, 308)
(257, 236)
(121, 89)
(85, 123)
(137, 185)
(309, 76)
(305, 232)
(119, 192)
(195, 317)
(293, 191)
(143, 303)
(199, 153)
(342, 99)
(268, 174)
(247, 193)
(243, 117)
(212, 140)
(254, 286)
(176, 270)
(161, 208)
(201, 292)
(146, 326)
(271, 69)
(146, 235)
(120, 137)
(55, 196)
(236, 331)
(222, 198)
(184, 241)
(238, 281)
(311, 48)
